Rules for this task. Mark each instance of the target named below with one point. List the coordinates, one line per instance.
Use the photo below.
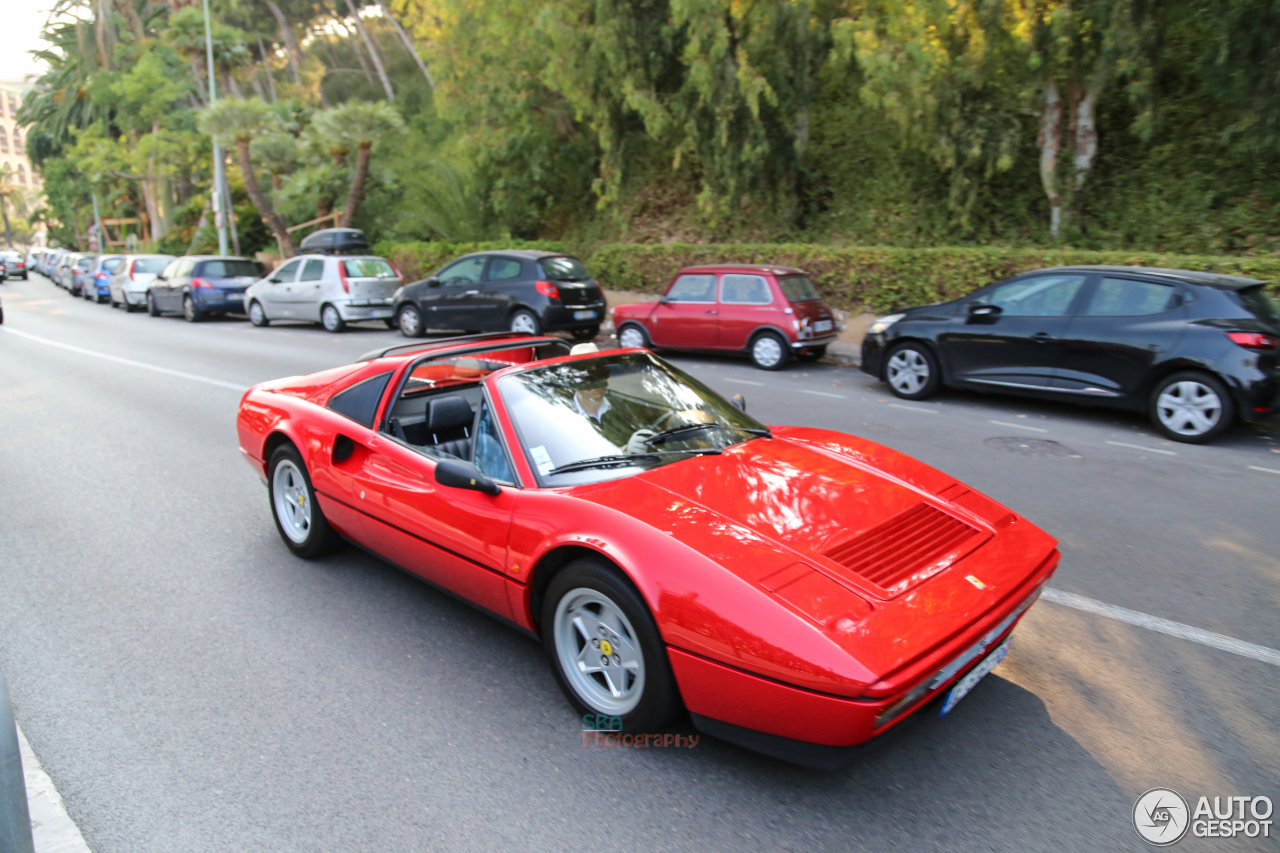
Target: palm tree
(7, 188)
(278, 154)
(359, 124)
(238, 122)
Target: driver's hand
(636, 444)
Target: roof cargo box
(335, 241)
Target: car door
(504, 277)
(276, 295)
(1019, 343)
(687, 314)
(449, 305)
(1125, 326)
(306, 295)
(746, 304)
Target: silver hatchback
(331, 290)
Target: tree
(360, 125)
(8, 187)
(278, 154)
(238, 122)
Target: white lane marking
(823, 394)
(1017, 426)
(52, 829)
(158, 369)
(919, 409)
(1140, 447)
(742, 381)
(1260, 468)
(1164, 626)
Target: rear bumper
(564, 316)
(809, 343)
(218, 300)
(365, 309)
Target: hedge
(853, 278)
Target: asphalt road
(191, 686)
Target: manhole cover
(1031, 447)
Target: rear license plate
(380, 313)
(964, 685)
(584, 315)
(822, 326)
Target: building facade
(13, 144)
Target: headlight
(882, 324)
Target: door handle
(1042, 337)
(713, 312)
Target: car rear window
(564, 268)
(111, 264)
(1258, 303)
(150, 265)
(84, 263)
(368, 268)
(228, 269)
(798, 288)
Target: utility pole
(220, 211)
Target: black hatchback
(1195, 350)
(517, 290)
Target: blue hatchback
(95, 283)
(202, 285)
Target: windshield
(1259, 304)
(798, 288)
(229, 269)
(616, 406)
(368, 268)
(150, 265)
(564, 268)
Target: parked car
(61, 272)
(96, 285)
(4, 269)
(635, 522)
(519, 290)
(15, 265)
(1196, 351)
(332, 290)
(80, 272)
(128, 285)
(49, 261)
(768, 312)
(200, 285)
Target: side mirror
(984, 309)
(739, 401)
(664, 299)
(433, 281)
(463, 475)
(273, 280)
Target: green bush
(418, 260)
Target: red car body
(719, 322)
(805, 585)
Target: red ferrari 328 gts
(798, 591)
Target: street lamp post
(220, 211)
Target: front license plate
(584, 315)
(964, 685)
(822, 326)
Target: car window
(111, 264)
(84, 263)
(798, 288)
(504, 269)
(744, 290)
(1038, 296)
(287, 272)
(231, 268)
(185, 268)
(171, 269)
(313, 270)
(490, 457)
(360, 401)
(1122, 297)
(693, 288)
(1258, 303)
(465, 271)
(150, 265)
(564, 268)
(368, 268)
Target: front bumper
(555, 317)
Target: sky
(23, 22)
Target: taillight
(201, 283)
(548, 289)
(132, 266)
(1254, 340)
(342, 277)
(396, 270)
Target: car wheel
(525, 321)
(190, 312)
(152, 308)
(126, 304)
(298, 516)
(258, 314)
(111, 297)
(586, 334)
(331, 319)
(813, 354)
(912, 371)
(605, 649)
(410, 321)
(769, 351)
(632, 336)
(1192, 407)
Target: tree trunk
(4, 211)
(355, 45)
(130, 13)
(1087, 131)
(257, 87)
(357, 186)
(408, 43)
(290, 44)
(1049, 141)
(268, 213)
(197, 71)
(266, 66)
(232, 86)
(277, 181)
(104, 32)
(373, 53)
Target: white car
(332, 290)
(132, 278)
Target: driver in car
(612, 415)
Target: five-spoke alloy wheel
(258, 314)
(410, 321)
(525, 321)
(331, 319)
(298, 516)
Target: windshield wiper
(626, 460)
(676, 432)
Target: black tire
(1173, 415)
(409, 321)
(918, 377)
(320, 538)
(152, 308)
(259, 317)
(628, 331)
(190, 312)
(659, 699)
(331, 319)
(586, 334)
(526, 320)
(111, 299)
(769, 351)
(813, 354)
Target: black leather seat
(448, 425)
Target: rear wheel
(298, 517)
(1192, 407)
(410, 321)
(331, 319)
(769, 351)
(257, 314)
(525, 321)
(152, 308)
(190, 312)
(912, 371)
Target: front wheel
(332, 320)
(298, 516)
(152, 308)
(258, 314)
(1192, 407)
(526, 322)
(769, 351)
(633, 337)
(604, 647)
(410, 321)
(912, 371)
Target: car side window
(170, 269)
(1038, 296)
(490, 457)
(504, 269)
(693, 288)
(185, 268)
(465, 271)
(1123, 297)
(744, 290)
(313, 271)
(360, 401)
(286, 273)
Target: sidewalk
(52, 829)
